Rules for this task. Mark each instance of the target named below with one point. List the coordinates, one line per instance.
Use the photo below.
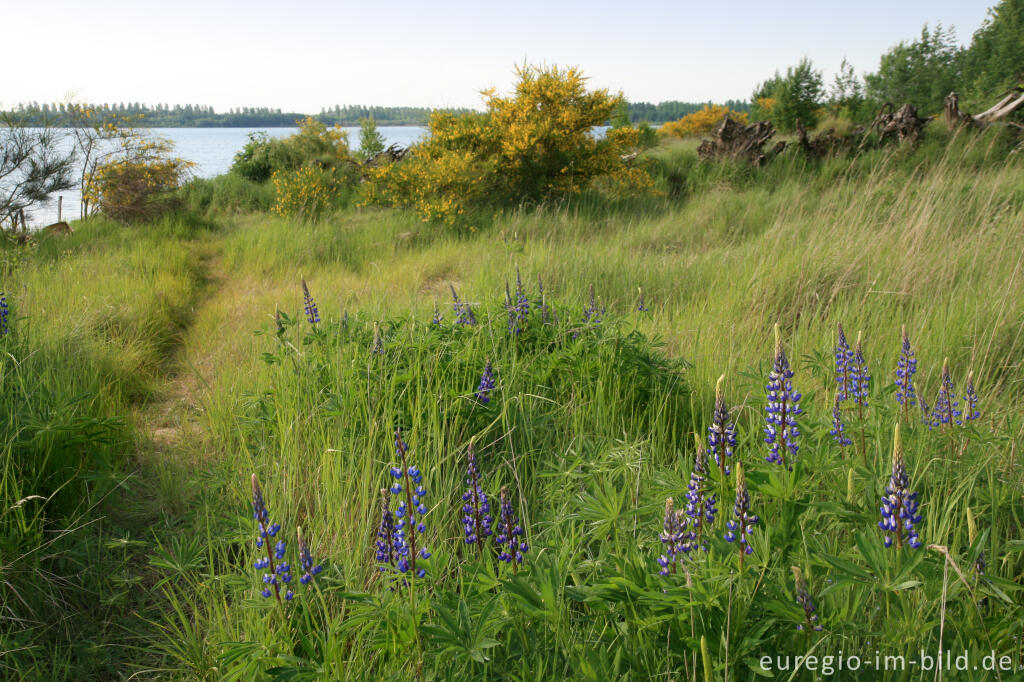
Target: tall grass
(590, 427)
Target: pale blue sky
(306, 55)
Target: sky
(306, 55)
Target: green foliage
(846, 96)
(786, 99)
(371, 142)
(534, 146)
(921, 72)
(995, 60)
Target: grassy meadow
(151, 370)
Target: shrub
(535, 145)
(701, 122)
(136, 184)
(306, 192)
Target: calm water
(213, 150)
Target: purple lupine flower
(899, 505)
(4, 313)
(700, 502)
(844, 360)
(970, 400)
(592, 313)
(979, 564)
(781, 431)
(838, 430)
(803, 598)
(312, 314)
(722, 432)
(522, 301)
(542, 306)
(510, 538)
(673, 538)
(476, 512)
(861, 378)
(906, 366)
(641, 307)
(410, 525)
(486, 384)
(387, 541)
(946, 406)
(309, 569)
(512, 311)
(741, 528)
(463, 313)
(437, 319)
(266, 531)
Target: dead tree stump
(904, 124)
(733, 140)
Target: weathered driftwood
(827, 142)
(903, 124)
(58, 228)
(392, 153)
(733, 140)
(1011, 102)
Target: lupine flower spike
(387, 540)
(545, 312)
(700, 503)
(522, 302)
(946, 406)
(783, 406)
(437, 319)
(4, 313)
(476, 510)
(511, 543)
(722, 432)
(309, 569)
(378, 345)
(906, 366)
(743, 525)
(971, 400)
(844, 359)
(410, 526)
(592, 313)
(899, 505)
(463, 313)
(803, 598)
(486, 384)
(514, 326)
(673, 539)
(312, 314)
(838, 430)
(640, 306)
(276, 572)
(859, 390)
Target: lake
(213, 150)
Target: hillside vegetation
(138, 403)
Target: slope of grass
(590, 428)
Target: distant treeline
(662, 112)
(202, 116)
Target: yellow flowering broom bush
(701, 122)
(136, 183)
(534, 145)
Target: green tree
(846, 96)
(921, 72)
(371, 142)
(785, 99)
(995, 60)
